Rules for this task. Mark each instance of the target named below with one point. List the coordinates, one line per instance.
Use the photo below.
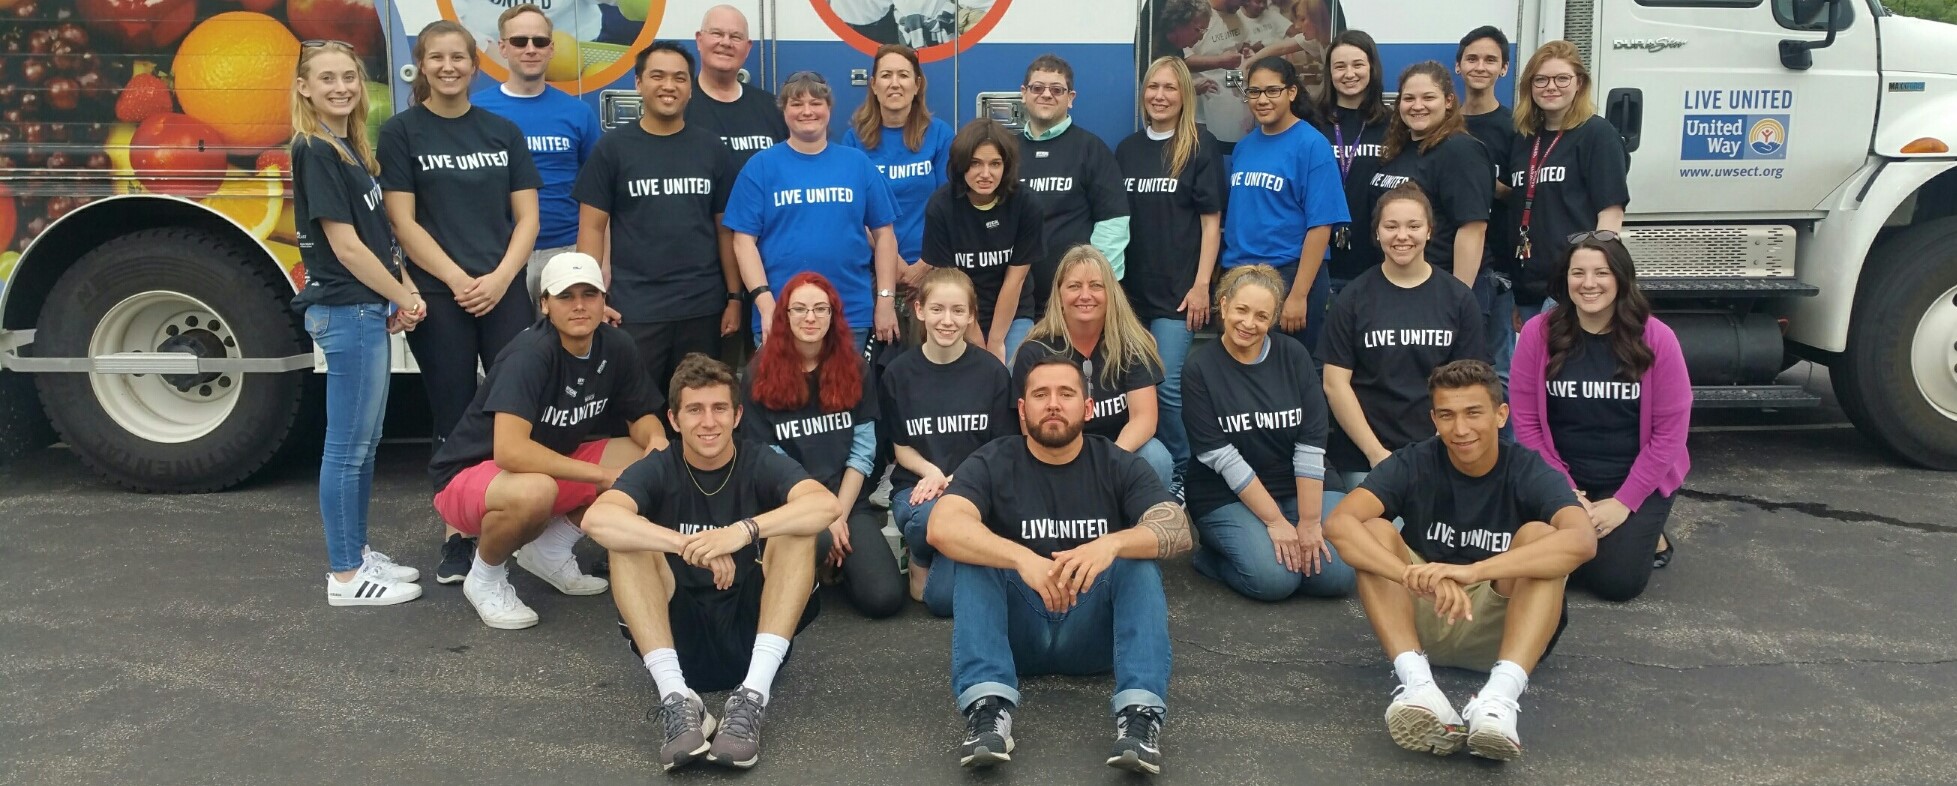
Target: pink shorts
(463, 502)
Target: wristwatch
(734, 297)
(886, 293)
(759, 291)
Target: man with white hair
(744, 116)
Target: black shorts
(713, 631)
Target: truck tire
(1897, 379)
(182, 290)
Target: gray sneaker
(739, 742)
(687, 727)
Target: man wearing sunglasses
(560, 130)
(1072, 175)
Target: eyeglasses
(318, 42)
(1274, 93)
(1601, 236)
(1042, 89)
(1560, 80)
(522, 41)
(810, 76)
(819, 310)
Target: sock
(1506, 680)
(557, 539)
(483, 571)
(1412, 668)
(769, 650)
(664, 663)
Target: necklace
(723, 481)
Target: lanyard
(1338, 142)
(1537, 157)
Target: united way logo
(1767, 138)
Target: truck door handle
(1624, 108)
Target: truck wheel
(172, 290)
(1898, 378)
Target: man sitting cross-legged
(1056, 535)
(530, 450)
(1475, 580)
(713, 566)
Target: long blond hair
(1182, 146)
(1128, 343)
(305, 119)
(1529, 118)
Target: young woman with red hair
(805, 398)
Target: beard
(1054, 435)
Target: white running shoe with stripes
(386, 566)
(369, 587)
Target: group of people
(1003, 321)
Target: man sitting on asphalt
(1475, 579)
(687, 529)
(529, 452)
(1060, 532)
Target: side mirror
(1796, 54)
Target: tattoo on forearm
(1170, 525)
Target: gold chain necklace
(696, 481)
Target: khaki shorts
(1466, 644)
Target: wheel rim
(1933, 354)
(165, 408)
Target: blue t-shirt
(1280, 186)
(810, 212)
(561, 132)
(914, 176)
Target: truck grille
(1718, 251)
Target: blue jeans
(1237, 553)
(913, 521)
(1015, 336)
(1338, 484)
(1158, 458)
(1172, 339)
(1499, 328)
(1317, 304)
(1003, 630)
(354, 339)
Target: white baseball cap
(571, 267)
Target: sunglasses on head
(529, 41)
(1601, 236)
(317, 42)
(808, 75)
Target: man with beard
(1058, 534)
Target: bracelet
(753, 529)
(759, 291)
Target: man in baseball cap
(529, 455)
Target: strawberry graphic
(144, 96)
(275, 157)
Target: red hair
(778, 381)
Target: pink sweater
(1664, 411)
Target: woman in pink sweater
(1599, 388)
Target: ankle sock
(483, 571)
(769, 650)
(1412, 668)
(1507, 680)
(664, 663)
(557, 539)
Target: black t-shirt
(1458, 178)
(461, 171)
(1110, 414)
(326, 187)
(983, 243)
(746, 125)
(818, 440)
(1075, 181)
(1594, 416)
(1584, 172)
(1050, 508)
(671, 494)
(1461, 520)
(1360, 158)
(664, 194)
(1165, 220)
(1390, 339)
(1496, 130)
(944, 412)
(567, 399)
(1264, 410)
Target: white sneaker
(561, 572)
(1421, 720)
(386, 567)
(369, 588)
(497, 604)
(1491, 728)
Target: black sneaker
(1137, 740)
(458, 554)
(988, 733)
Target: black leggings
(870, 577)
(449, 342)
(1622, 566)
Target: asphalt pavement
(1803, 635)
